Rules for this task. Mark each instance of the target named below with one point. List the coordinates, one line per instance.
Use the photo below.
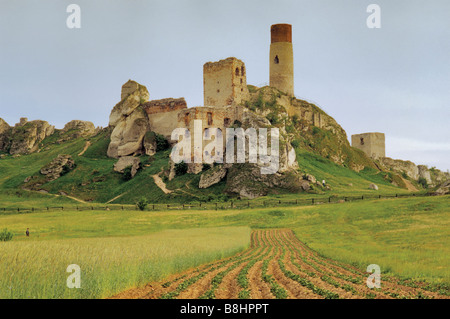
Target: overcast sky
(395, 79)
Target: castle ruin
(282, 58)
(373, 144)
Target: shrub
(273, 118)
(142, 203)
(6, 235)
(206, 167)
(181, 168)
(295, 143)
(422, 181)
(127, 173)
(161, 143)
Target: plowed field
(277, 265)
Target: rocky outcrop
(133, 95)
(373, 186)
(246, 181)
(443, 189)
(5, 135)
(432, 175)
(79, 128)
(61, 165)
(127, 161)
(149, 143)
(212, 176)
(400, 166)
(26, 136)
(129, 122)
(318, 131)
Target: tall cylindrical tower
(282, 58)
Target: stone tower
(282, 58)
(224, 82)
(373, 144)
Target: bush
(127, 173)
(161, 143)
(6, 235)
(206, 167)
(142, 203)
(422, 181)
(181, 168)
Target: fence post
(345, 199)
(231, 204)
(18, 209)
(153, 206)
(32, 209)
(362, 197)
(329, 199)
(296, 201)
(183, 206)
(396, 195)
(312, 199)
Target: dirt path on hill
(160, 183)
(86, 146)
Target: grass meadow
(408, 237)
(37, 268)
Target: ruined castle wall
(163, 114)
(211, 117)
(373, 144)
(224, 82)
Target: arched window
(242, 70)
(186, 119)
(362, 140)
(237, 72)
(276, 60)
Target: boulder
(212, 176)
(59, 166)
(310, 178)
(126, 161)
(373, 186)
(26, 136)
(246, 181)
(149, 143)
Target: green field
(407, 237)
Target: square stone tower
(224, 82)
(373, 144)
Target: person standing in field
(323, 183)
(28, 232)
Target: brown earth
(296, 271)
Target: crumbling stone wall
(163, 114)
(224, 82)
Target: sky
(394, 79)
